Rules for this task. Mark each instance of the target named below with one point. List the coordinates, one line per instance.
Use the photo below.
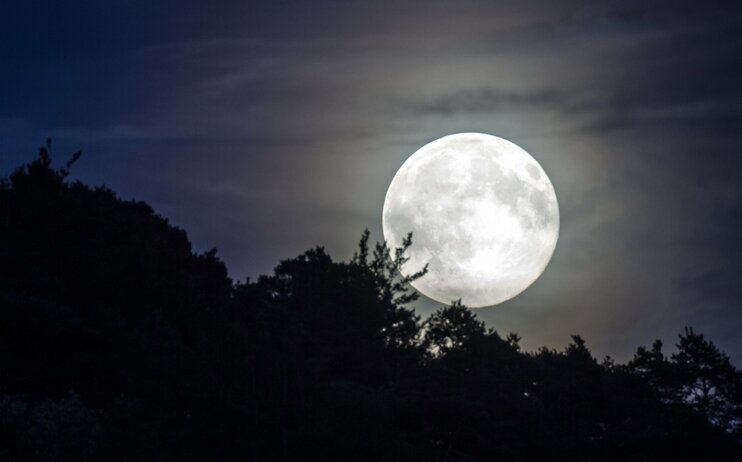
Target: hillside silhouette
(118, 342)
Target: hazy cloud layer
(267, 128)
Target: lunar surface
(483, 214)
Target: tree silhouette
(707, 381)
(119, 343)
(452, 328)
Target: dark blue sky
(267, 128)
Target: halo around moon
(483, 214)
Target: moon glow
(483, 214)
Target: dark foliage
(119, 343)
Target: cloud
(486, 100)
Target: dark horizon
(265, 129)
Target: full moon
(483, 214)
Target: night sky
(265, 129)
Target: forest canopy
(118, 342)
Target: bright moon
(483, 214)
